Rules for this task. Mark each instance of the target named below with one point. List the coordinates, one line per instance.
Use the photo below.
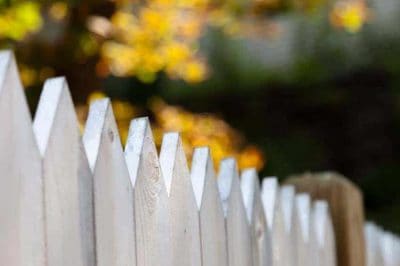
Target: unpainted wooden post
(261, 241)
(212, 221)
(21, 197)
(237, 228)
(346, 208)
(113, 192)
(303, 252)
(151, 199)
(68, 183)
(374, 254)
(287, 196)
(185, 229)
(274, 216)
(323, 235)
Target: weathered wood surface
(236, 226)
(346, 208)
(274, 216)
(212, 221)
(152, 221)
(185, 228)
(113, 192)
(324, 248)
(261, 240)
(21, 198)
(68, 183)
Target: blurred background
(287, 86)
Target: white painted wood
(274, 216)
(303, 252)
(212, 221)
(185, 228)
(287, 196)
(322, 231)
(68, 183)
(237, 228)
(113, 192)
(151, 199)
(390, 248)
(21, 197)
(374, 254)
(261, 241)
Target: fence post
(185, 228)
(21, 197)
(346, 208)
(212, 221)
(113, 192)
(274, 217)
(151, 200)
(237, 228)
(68, 183)
(261, 241)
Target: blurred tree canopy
(285, 85)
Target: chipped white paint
(113, 192)
(323, 235)
(68, 183)
(151, 199)
(274, 216)
(236, 225)
(185, 228)
(212, 223)
(21, 198)
(260, 238)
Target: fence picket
(302, 232)
(322, 231)
(374, 254)
(21, 198)
(185, 227)
(151, 199)
(212, 223)
(274, 217)
(113, 192)
(261, 241)
(287, 196)
(236, 226)
(68, 183)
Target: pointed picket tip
(172, 158)
(139, 135)
(54, 90)
(99, 110)
(303, 210)
(287, 195)
(201, 171)
(269, 195)
(226, 177)
(249, 184)
(321, 216)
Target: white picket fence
(67, 199)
